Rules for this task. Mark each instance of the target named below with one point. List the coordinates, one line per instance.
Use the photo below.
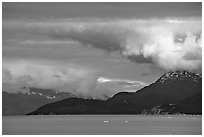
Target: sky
(97, 49)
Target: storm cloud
(169, 43)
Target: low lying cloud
(19, 75)
(72, 78)
(123, 82)
(120, 85)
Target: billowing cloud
(169, 43)
(67, 78)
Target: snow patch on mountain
(179, 75)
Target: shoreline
(99, 115)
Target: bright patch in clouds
(120, 84)
(127, 83)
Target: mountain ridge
(22, 103)
(183, 87)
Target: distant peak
(179, 75)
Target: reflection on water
(101, 124)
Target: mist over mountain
(176, 92)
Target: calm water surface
(101, 125)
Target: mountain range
(22, 103)
(176, 92)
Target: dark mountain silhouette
(190, 105)
(22, 103)
(175, 92)
(171, 88)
